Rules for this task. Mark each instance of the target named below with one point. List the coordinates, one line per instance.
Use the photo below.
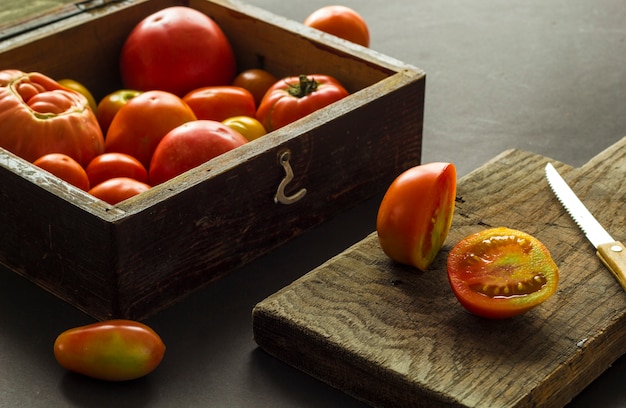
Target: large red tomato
(295, 97)
(415, 215)
(501, 272)
(176, 49)
(141, 123)
(189, 146)
(39, 116)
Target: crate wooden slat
(137, 257)
(392, 336)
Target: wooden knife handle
(613, 255)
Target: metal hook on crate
(280, 197)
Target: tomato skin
(118, 189)
(257, 81)
(141, 123)
(39, 116)
(220, 102)
(248, 126)
(65, 168)
(293, 98)
(111, 104)
(342, 22)
(176, 49)
(415, 214)
(500, 273)
(111, 165)
(190, 145)
(82, 89)
(113, 350)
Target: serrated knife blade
(612, 253)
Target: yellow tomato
(248, 126)
(81, 89)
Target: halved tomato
(501, 272)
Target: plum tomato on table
(65, 168)
(176, 49)
(220, 102)
(342, 22)
(415, 214)
(293, 98)
(110, 350)
(501, 272)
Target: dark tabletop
(547, 76)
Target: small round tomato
(111, 104)
(111, 350)
(118, 189)
(177, 49)
(293, 98)
(220, 102)
(248, 126)
(81, 89)
(257, 81)
(415, 214)
(65, 168)
(111, 165)
(142, 122)
(190, 145)
(500, 272)
(342, 22)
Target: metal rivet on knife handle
(613, 256)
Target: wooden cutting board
(392, 336)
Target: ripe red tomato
(256, 81)
(81, 89)
(220, 102)
(293, 98)
(415, 214)
(342, 22)
(118, 189)
(142, 122)
(39, 116)
(176, 49)
(190, 145)
(248, 126)
(111, 165)
(111, 104)
(113, 350)
(500, 273)
(65, 168)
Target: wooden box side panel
(199, 234)
(58, 246)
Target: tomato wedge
(501, 272)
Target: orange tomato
(111, 165)
(415, 214)
(142, 122)
(342, 22)
(257, 81)
(65, 168)
(220, 102)
(118, 189)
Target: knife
(612, 253)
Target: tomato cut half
(501, 272)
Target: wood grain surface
(392, 336)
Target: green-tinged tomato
(501, 272)
(415, 215)
(113, 350)
(111, 104)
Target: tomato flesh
(501, 272)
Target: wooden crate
(134, 258)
